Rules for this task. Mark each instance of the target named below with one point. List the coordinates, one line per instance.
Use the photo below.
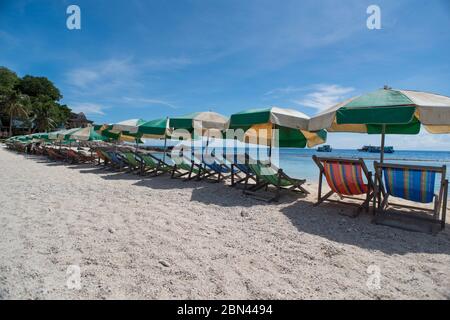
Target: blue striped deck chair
(345, 177)
(213, 166)
(116, 161)
(414, 183)
(241, 170)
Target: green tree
(38, 87)
(32, 99)
(8, 80)
(46, 112)
(16, 105)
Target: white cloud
(325, 96)
(284, 91)
(119, 73)
(149, 101)
(87, 108)
(107, 72)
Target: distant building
(19, 127)
(78, 120)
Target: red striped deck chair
(347, 178)
(414, 183)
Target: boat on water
(325, 148)
(376, 149)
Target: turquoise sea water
(299, 163)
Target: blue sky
(150, 59)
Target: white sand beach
(161, 238)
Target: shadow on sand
(328, 222)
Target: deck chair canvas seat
(345, 177)
(55, 155)
(130, 159)
(184, 168)
(102, 156)
(268, 175)
(413, 183)
(242, 169)
(215, 168)
(149, 164)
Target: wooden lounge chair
(87, 158)
(414, 183)
(184, 168)
(149, 164)
(241, 171)
(102, 156)
(78, 157)
(117, 162)
(268, 175)
(55, 155)
(130, 159)
(215, 168)
(345, 178)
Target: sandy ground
(160, 238)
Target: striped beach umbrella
(387, 111)
(205, 120)
(154, 129)
(107, 131)
(66, 135)
(292, 127)
(54, 135)
(130, 125)
(86, 134)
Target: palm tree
(16, 104)
(44, 116)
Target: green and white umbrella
(204, 120)
(67, 134)
(86, 134)
(130, 125)
(55, 135)
(154, 129)
(292, 127)
(387, 111)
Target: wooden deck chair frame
(157, 169)
(87, 158)
(207, 171)
(133, 167)
(236, 179)
(370, 194)
(381, 200)
(191, 171)
(296, 185)
(102, 156)
(54, 155)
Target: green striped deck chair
(414, 183)
(130, 159)
(345, 177)
(150, 164)
(269, 175)
(183, 167)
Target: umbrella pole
(165, 148)
(383, 136)
(270, 145)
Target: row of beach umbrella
(385, 111)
